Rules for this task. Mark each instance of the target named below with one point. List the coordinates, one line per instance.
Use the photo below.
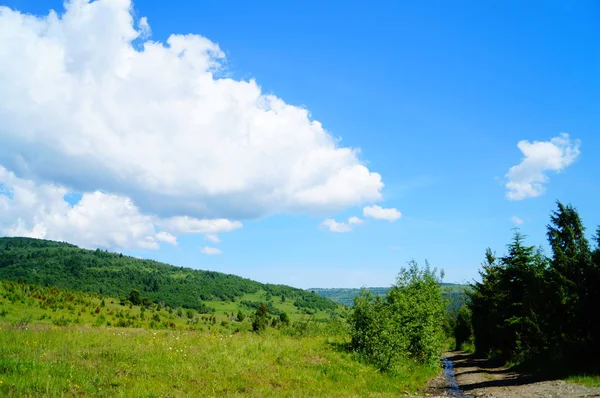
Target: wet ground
(465, 376)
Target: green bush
(407, 323)
(261, 319)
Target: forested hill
(49, 263)
(345, 296)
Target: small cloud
(211, 251)
(516, 220)
(212, 238)
(191, 225)
(355, 221)
(167, 238)
(395, 248)
(335, 226)
(527, 179)
(381, 213)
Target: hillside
(49, 263)
(63, 343)
(345, 296)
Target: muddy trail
(468, 377)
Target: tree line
(539, 310)
(49, 263)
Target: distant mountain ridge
(50, 263)
(345, 296)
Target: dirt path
(481, 378)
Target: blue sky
(436, 95)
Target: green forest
(538, 311)
(345, 296)
(49, 263)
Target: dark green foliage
(261, 319)
(532, 309)
(240, 316)
(134, 297)
(48, 263)
(284, 319)
(463, 331)
(407, 323)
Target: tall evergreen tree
(485, 303)
(570, 273)
(521, 282)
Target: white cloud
(211, 250)
(212, 238)
(93, 108)
(527, 179)
(516, 220)
(145, 30)
(167, 238)
(97, 220)
(335, 226)
(355, 221)
(191, 225)
(381, 213)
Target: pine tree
(570, 275)
(485, 301)
(521, 281)
(261, 319)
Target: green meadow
(58, 342)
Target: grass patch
(586, 380)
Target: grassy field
(23, 303)
(61, 343)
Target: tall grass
(56, 343)
(70, 361)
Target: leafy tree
(463, 330)
(134, 297)
(284, 318)
(406, 323)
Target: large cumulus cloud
(87, 102)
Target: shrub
(62, 321)
(406, 323)
(261, 319)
